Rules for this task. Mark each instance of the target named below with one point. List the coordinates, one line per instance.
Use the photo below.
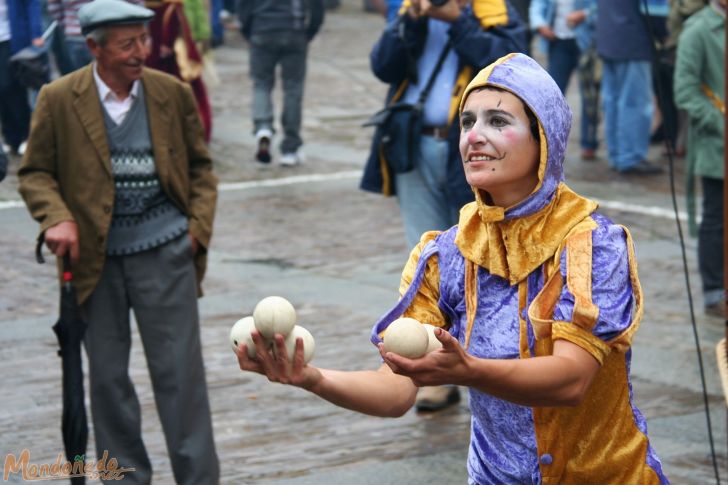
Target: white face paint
(499, 153)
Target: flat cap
(100, 13)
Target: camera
(438, 3)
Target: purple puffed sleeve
(611, 288)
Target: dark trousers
(14, 106)
(160, 286)
(710, 239)
(289, 50)
(564, 56)
(662, 85)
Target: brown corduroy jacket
(66, 172)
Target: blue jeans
(289, 49)
(421, 193)
(218, 30)
(627, 100)
(564, 57)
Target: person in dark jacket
(431, 195)
(20, 27)
(279, 32)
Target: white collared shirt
(115, 107)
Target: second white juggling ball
(432, 342)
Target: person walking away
(279, 32)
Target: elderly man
(118, 176)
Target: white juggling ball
(309, 345)
(432, 342)
(240, 334)
(273, 315)
(406, 337)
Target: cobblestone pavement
(336, 253)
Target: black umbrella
(30, 67)
(69, 329)
(3, 163)
(30, 64)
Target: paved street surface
(308, 234)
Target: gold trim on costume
(717, 102)
(471, 297)
(579, 279)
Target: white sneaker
(22, 147)
(262, 139)
(291, 159)
(263, 133)
(6, 148)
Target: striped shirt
(66, 13)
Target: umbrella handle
(67, 273)
(39, 248)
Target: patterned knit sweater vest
(144, 217)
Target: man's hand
(38, 42)
(415, 10)
(546, 32)
(575, 18)
(194, 243)
(448, 12)
(63, 238)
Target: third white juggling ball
(309, 345)
(406, 337)
(274, 314)
(432, 342)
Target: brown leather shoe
(588, 154)
(715, 310)
(643, 167)
(436, 398)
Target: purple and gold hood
(493, 236)
(525, 78)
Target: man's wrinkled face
(122, 57)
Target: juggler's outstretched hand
(276, 365)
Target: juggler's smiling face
(500, 155)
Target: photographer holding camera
(427, 56)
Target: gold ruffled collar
(496, 244)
